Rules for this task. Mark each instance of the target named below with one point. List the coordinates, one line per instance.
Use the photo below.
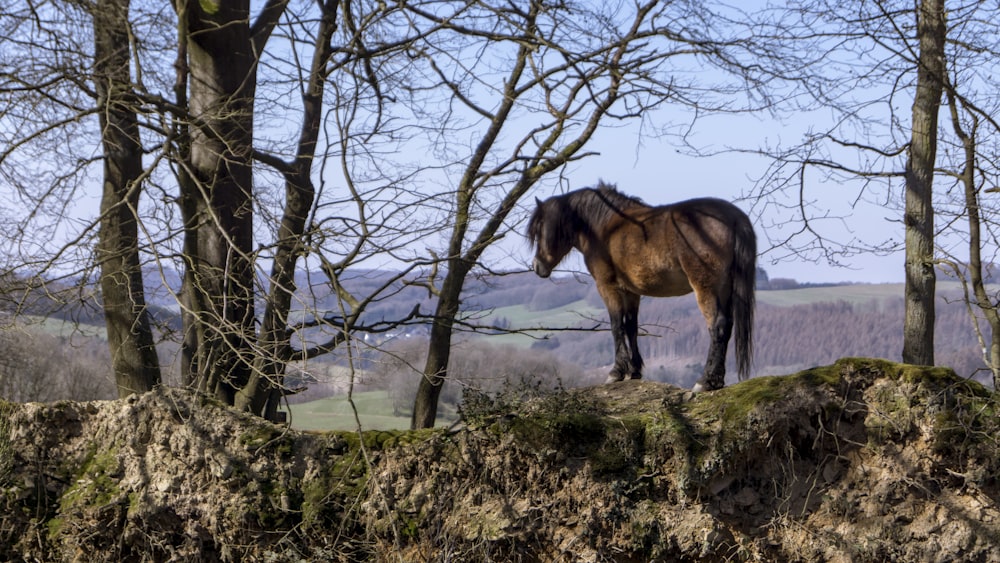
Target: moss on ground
(6, 451)
(94, 485)
(731, 405)
(336, 493)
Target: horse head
(548, 232)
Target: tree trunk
(461, 259)
(439, 348)
(918, 326)
(991, 353)
(219, 197)
(263, 390)
(130, 337)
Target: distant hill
(794, 329)
(798, 326)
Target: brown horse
(703, 245)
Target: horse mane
(585, 209)
(593, 207)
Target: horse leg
(632, 333)
(617, 313)
(623, 363)
(719, 318)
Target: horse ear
(537, 201)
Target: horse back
(672, 249)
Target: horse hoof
(636, 376)
(614, 378)
(698, 388)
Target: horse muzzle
(541, 270)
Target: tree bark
(918, 326)
(130, 336)
(425, 405)
(218, 199)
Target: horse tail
(744, 272)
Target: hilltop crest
(864, 460)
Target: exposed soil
(864, 460)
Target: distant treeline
(675, 340)
(766, 283)
(786, 338)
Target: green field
(63, 328)
(375, 411)
(521, 317)
(857, 294)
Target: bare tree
(52, 84)
(975, 267)
(202, 141)
(856, 61)
(222, 44)
(130, 336)
(918, 218)
(970, 158)
(567, 69)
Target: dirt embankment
(864, 460)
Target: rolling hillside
(794, 329)
(555, 330)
